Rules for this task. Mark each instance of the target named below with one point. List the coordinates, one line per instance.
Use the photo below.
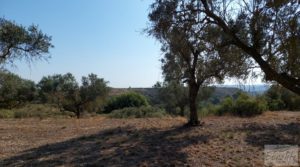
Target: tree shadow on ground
(122, 146)
(277, 134)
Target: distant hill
(251, 89)
(222, 92)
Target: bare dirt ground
(99, 141)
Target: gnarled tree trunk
(193, 92)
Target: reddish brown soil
(99, 141)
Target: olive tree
(93, 90)
(19, 42)
(267, 31)
(190, 54)
(64, 91)
(55, 88)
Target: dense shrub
(262, 102)
(226, 106)
(138, 112)
(276, 104)
(280, 98)
(248, 107)
(131, 99)
(208, 110)
(244, 106)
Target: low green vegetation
(35, 111)
(243, 106)
(277, 98)
(6, 113)
(138, 112)
(60, 95)
(280, 98)
(131, 99)
(208, 110)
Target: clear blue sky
(100, 36)
(92, 36)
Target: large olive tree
(190, 54)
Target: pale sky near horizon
(101, 37)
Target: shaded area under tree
(124, 146)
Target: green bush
(244, 106)
(226, 106)
(280, 98)
(276, 105)
(4, 113)
(248, 107)
(131, 99)
(262, 102)
(138, 112)
(208, 110)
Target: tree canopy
(190, 51)
(19, 42)
(65, 92)
(55, 88)
(265, 32)
(15, 91)
(91, 94)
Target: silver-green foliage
(19, 42)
